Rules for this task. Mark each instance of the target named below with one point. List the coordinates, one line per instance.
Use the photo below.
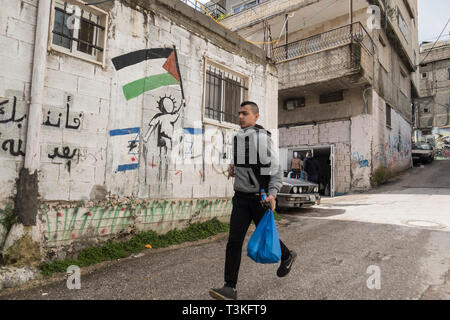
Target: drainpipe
(351, 16)
(32, 156)
(26, 202)
(286, 34)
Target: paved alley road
(402, 229)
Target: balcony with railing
(213, 9)
(344, 53)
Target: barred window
(78, 29)
(331, 97)
(388, 115)
(224, 92)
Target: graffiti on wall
(192, 137)
(396, 149)
(64, 154)
(360, 160)
(14, 147)
(72, 121)
(221, 149)
(442, 139)
(68, 224)
(162, 124)
(155, 73)
(127, 141)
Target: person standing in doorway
(296, 166)
(311, 167)
(255, 167)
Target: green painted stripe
(138, 87)
(72, 224)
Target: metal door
(332, 170)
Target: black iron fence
(214, 9)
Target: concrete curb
(11, 277)
(14, 279)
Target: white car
(296, 193)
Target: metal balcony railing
(354, 33)
(214, 9)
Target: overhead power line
(435, 42)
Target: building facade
(347, 78)
(118, 118)
(432, 112)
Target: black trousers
(245, 209)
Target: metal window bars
(88, 34)
(214, 9)
(223, 94)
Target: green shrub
(113, 250)
(7, 216)
(380, 176)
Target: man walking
(255, 168)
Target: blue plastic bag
(264, 244)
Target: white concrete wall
(17, 26)
(361, 145)
(96, 98)
(391, 147)
(335, 133)
(361, 155)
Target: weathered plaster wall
(336, 133)
(361, 156)
(391, 146)
(351, 105)
(111, 163)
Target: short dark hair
(253, 106)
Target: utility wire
(435, 42)
(95, 3)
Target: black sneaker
(224, 293)
(285, 265)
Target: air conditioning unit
(291, 104)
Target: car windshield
(421, 146)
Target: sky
(433, 15)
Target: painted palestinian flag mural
(151, 84)
(145, 70)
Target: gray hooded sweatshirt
(245, 179)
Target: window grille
(223, 94)
(78, 30)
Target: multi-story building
(432, 112)
(347, 77)
(118, 117)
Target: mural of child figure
(162, 124)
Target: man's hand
(230, 171)
(271, 199)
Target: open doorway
(325, 157)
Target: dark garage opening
(322, 154)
